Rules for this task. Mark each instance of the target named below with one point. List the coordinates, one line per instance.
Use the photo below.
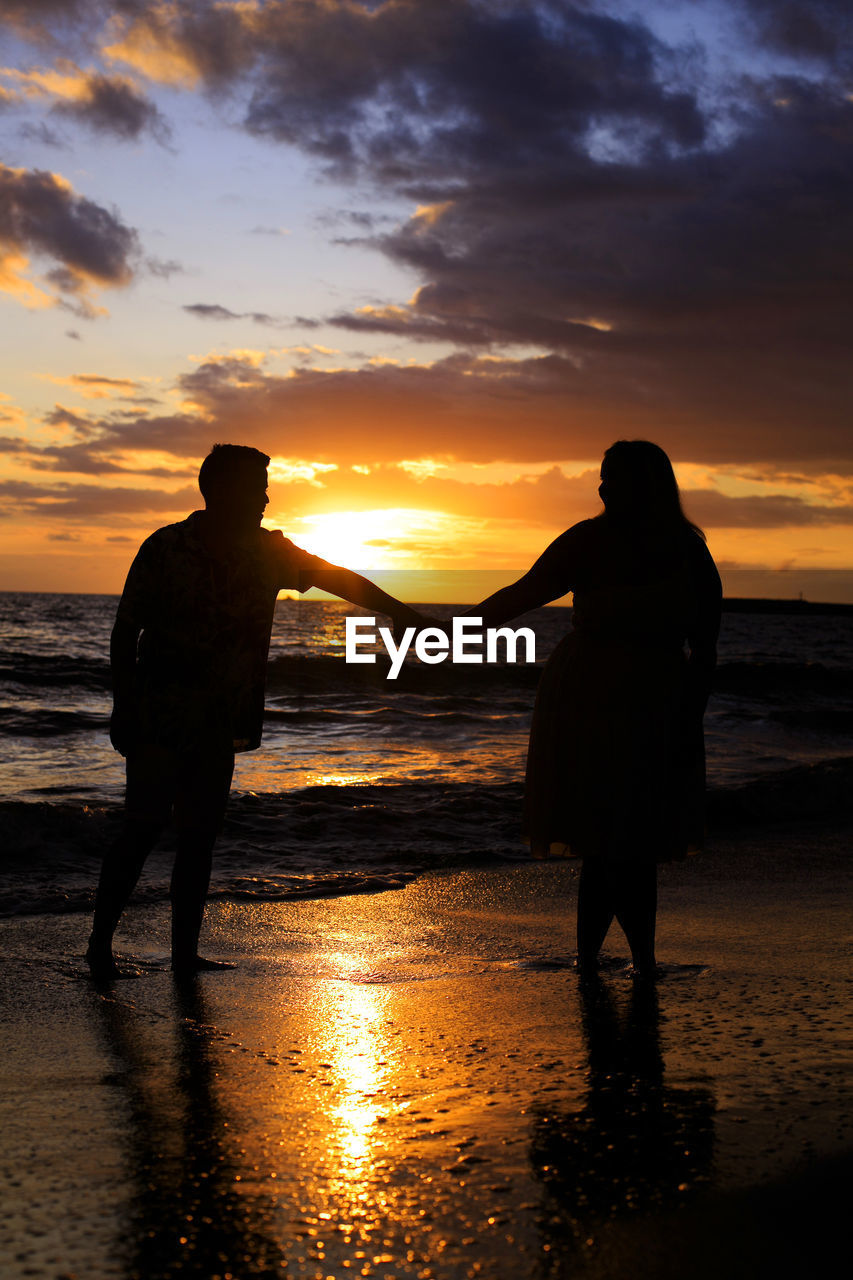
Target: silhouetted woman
(615, 767)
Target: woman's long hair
(639, 488)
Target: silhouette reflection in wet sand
(636, 1144)
(188, 1217)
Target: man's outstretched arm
(361, 591)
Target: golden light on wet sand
(360, 1072)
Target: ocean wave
(374, 718)
(49, 722)
(807, 791)
(54, 671)
(295, 674)
(761, 678)
(827, 720)
(317, 674)
(332, 840)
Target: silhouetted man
(188, 656)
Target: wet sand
(415, 1084)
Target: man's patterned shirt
(205, 623)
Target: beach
(415, 1083)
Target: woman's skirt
(615, 765)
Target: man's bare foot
(199, 964)
(103, 967)
(587, 967)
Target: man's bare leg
(120, 871)
(190, 881)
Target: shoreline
(415, 1084)
(363, 837)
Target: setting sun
(396, 537)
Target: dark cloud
(55, 22)
(59, 416)
(814, 29)
(419, 94)
(680, 239)
(481, 409)
(66, 279)
(99, 380)
(163, 268)
(672, 233)
(100, 455)
(180, 435)
(39, 212)
(214, 311)
(555, 500)
(42, 10)
(30, 16)
(773, 511)
(461, 408)
(82, 459)
(42, 134)
(700, 246)
(112, 105)
(87, 502)
(360, 219)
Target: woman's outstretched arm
(549, 578)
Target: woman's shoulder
(584, 533)
(575, 541)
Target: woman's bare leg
(636, 911)
(596, 910)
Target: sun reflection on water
(340, 779)
(358, 759)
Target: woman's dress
(615, 765)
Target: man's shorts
(190, 789)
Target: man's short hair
(227, 464)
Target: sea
(363, 782)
